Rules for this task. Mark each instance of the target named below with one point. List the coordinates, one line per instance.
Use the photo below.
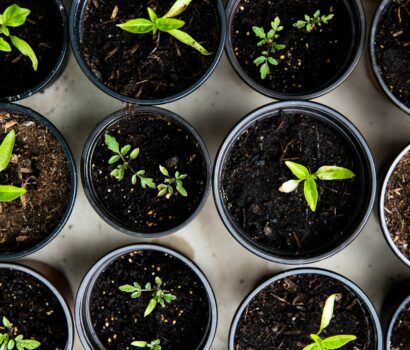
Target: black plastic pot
(58, 67)
(345, 128)
(13, 108)
(83, 322)
(353, 287)
(359, 28)
(76, 33)
(382, 217)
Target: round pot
(52, 75)
(76, 34)
(378, 336)
(359, 149)
(84, 325)
(41, 279)
(13, 108)
(359, 28)
(382, 216)
(372, 51)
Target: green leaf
(18, 338)
(147, 181)
(112, 143)
(316, 14)
(163, 171)
(152, 15)
(114, 159)
(260, 60)
(259, 32)
(289, 186)
(148, 286)
(162, 191)
(272, 61)
(6, 149)
(182, 190)
(134, 154)
(178, 7)
(309, 27)
(312, 346)
(167, 24)
(276, 23)
(317, 339)
(5, 30)
(280, 47)
(158, 281)
(337, 341)
(134, 179)
(125, 149)
(264, 70)
(307, 18)
(127, 288)
(330, 172)
(300, 24)
(4, 45)
(300, 171)
(25, 49)
(15, 16)
(311, 194)
(136, 295)
(151, 306)
(6, 322)
(139, 344)
(10, 345)
(327, 312)
(137, 26)
(10, 193)
(30, 344)
(188, 40)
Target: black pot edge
(76, 50)
(81, 305)
(87, 182)
(382, 217)
(231, 136)
(73, 174)
(356, 289)
(392, 320)
(58, 68)
(33, 273)
(231, 6)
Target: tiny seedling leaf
(337, 341)
(152, 15)
(300, 171)
(114, 159)
(25, 49)
(10, 193)
(15, 16)
(312, 346)
(125, 150)
(4, 45)
(6, 149)
(311, 194)
(327, 312)
(112, 143)
(329, 172)
(139, 343)
(151, 306)
(177, 8)
(167, 24)
(137, 26)
(163, 171)
(134, 154)
(6, 322)
(188, 40)
(259, 32)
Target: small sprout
(311, 23)
(333, 342)
(166, 189)
(154, 345)
(159, 296)
(327, 173)
(9, 342)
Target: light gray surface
(76, 106)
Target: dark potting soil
(161, 142)
(38, 164)
(43, 31)
(33, 310)
(119, 320)
(255, 169)
(310, 59)
(397, 205)
(401, 331)
(392, 46)
(285, 313)
(147, 66)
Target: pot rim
(393, 320)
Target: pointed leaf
(15, 16)
(112, 143)
(182, 190)
(312, 346)
(158, 281)
(152, 15)
(264, 70)
(164, 171)
(6, 149)
(337, 341)
(25, 49)
(298, 170)
(188, 40)
(259, 32)
(137, 26)
(30, 344)
(166, 24)
(327, 312)
(134, 154)
(114, 159)
(127, 288)
(4, 45)
(330, 172)
(311, 194)
(11, 193)
(178, 7)
(6, 322)
(139, 344)
(151, 306)
(259, 60)
(125, 149)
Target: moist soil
(38, 164)
(310, 59)
(43, 31)
(255, 169)
(400, 339)
(392, 45)
(147, 66)
(397, 205)
(283, 315)
(33, 310)
(119, 320)
(161, 142)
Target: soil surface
(38, 164)
(118, 319)
(283, 315)
(161, 142)
(401, 331)
(397, 205)
(393, 49)
(147, 66)
(255, 169)
(44, 32)
(310, 59)
(33, 309)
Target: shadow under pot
(146, 171)
(294, 182)
(33, 46)
(286, 310)
(148, 294)
(148, 52)
(394, 206)
(33, 313)
(301, 49)
(38, 181)
(389, 50)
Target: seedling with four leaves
(312, 22)
(166, 188)
(9, 342)
(154, 345)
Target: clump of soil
(400, 339)
(392, 45)
(147, 66)
(397, 205)
(38, 164)
(44, 32)
(285, 313)
(33, 309)
(119, 320)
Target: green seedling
(166, 24)
(154, 345)
(166, 189)
(335, 341)
(312, 22)
(327, 173)
(15, 16)
(9, 342)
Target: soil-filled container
(33, 46)
(38, 181)
(295, 48)
(32, 311)
(146, 171)
(389, 50)
(284, 311)
(119, 301)
(394, 206)
(283, 215)
(148, 52)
